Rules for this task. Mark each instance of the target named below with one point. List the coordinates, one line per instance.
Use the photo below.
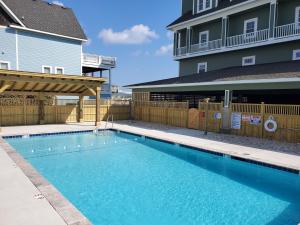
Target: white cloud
(58, 3)
(165, 50)
(170, 35)
(137, 34)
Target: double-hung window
(202, 67)
(248, 60)
(203, 38)
(4, 65)
(203, 5)
(47, 69)
(59, 70)
(250, 28)
(297, 17)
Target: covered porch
(43, 88)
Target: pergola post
(97, 122)
(80, 109)
(41, 109)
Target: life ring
(271, 125)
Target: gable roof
(289, 69)
(46, 17)
(189, 15)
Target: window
(47, 69)
(250, 27)
(4, 65)
(296, 54)
(204, 5)
(59, 70)
(202, 67)
(203, 38)
(248, 61)
(297, 16)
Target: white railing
(250, 38)
(287, 30)
(181, 51)
(110, 61)
(96, 60)
(209, 46)
(284, 31)
(91, 59)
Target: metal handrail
(112, 120)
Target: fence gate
(193, 119)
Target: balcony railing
(249, 38)
(209, 46)
(96, 60)
(287, 30)
(233, 42)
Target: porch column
(188, 39)
(224, 30)
(227, 98)
(272, 19)
(80, 109)
(42, 99)
(97, 122)
(175, 43)
(110, 83)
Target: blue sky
(134, 31)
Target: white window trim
(249, 57)
(7, 62)
(201, 64)
(44, 66)
(204, 32)
(297, 11)
(58, 67)
(295, 54)
(255, 20)
(204, 6)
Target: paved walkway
(19, 206)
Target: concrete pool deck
(21, 201)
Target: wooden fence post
(24, 110)
(262, 113)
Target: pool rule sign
(236, 121)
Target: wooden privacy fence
(242, 119)
(169, 113)
(25, 111)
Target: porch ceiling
(28, 83)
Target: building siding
(36, 50)
(214, 28)
(236, 22)
(286, 12)
(187, 5)
(8, 46)
(267, 54)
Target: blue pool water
(122, 179)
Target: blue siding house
(38, 36)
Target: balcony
(96, 61)
(282, 33)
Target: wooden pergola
(42, 85)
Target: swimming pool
(116, 178)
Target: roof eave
(215, 83)
(47, 33)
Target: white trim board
(48, 33)
(219, 14)
(45, 66)
(6, 9)
(258, 81)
